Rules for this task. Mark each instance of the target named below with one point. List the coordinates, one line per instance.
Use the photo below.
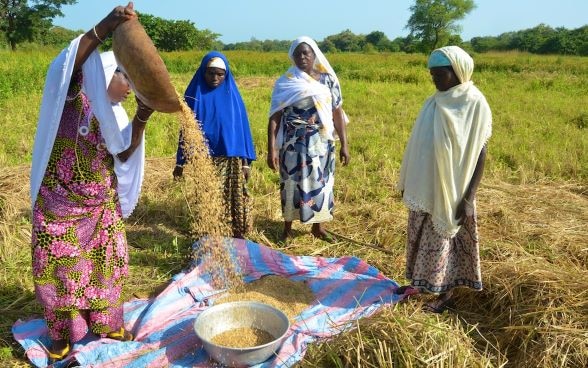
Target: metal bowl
(247, 314)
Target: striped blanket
(346, 289)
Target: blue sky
(241, 20)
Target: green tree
(379, 40)
(433, 22)
(20, 22)
(347, 41)
(327, 46)
(174, 35)
(579, 37)
(58, 36)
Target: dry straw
(403, 336)
(533, 311)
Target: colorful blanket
(346, 289)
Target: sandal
(439, 305)
(58, 355)
(120, 335)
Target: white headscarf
(445, 143)
(113, 121)
(217, 62)
(461, 62)
(296, 85)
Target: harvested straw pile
(404, 337)
(14, 203)
(535, 304)
(533, 311)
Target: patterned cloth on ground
(346, 289)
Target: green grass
(539, 106)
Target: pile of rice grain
(244, 337)
(291, 297)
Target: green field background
(539, 105)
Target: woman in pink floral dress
(79, 248)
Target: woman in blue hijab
(218, 107)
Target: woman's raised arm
(95, 36)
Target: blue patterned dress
(307, 161)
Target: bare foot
(287, 235)
(324, 235)
(407, 291)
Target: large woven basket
(148, 75)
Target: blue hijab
(221, 114)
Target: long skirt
(437, 264)
(236, 199)
(79, 247)
(307, 175)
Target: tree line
(541, 39)
(433, 23)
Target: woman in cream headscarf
(441, 170)
(86, 175)
(305, 117)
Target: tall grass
(539, 105)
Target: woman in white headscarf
(86, 175)
(441, 171)
(306, 116)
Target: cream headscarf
(113, 120)
(445, 143)
(295, 85)
(461, 62)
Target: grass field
(533, 206)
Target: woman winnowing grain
(86, 175)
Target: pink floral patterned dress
(79, 249)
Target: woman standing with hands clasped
(214, 97)
(86, 175)
(440, 174)
(306, 116)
